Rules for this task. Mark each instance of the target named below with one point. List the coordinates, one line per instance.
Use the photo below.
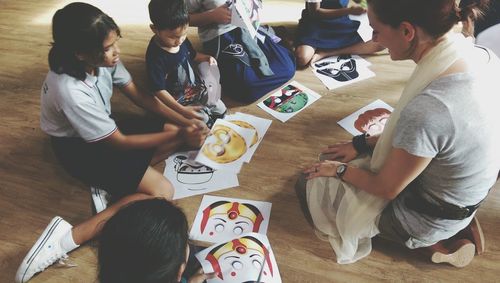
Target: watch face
(341, 169)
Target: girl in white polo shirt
(90, 145)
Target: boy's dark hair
(168, 14)
(78, 28)
(144, 242)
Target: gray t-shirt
(210, 31)
(452, 122)
(74, 108)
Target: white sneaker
(100, 198)
(46, 250)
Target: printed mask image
(191, 172)
(224, 145)
(240, 260)
(372, 122)
(236, 218)
(246, 125)
(344, 69)
(291, 100)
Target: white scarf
(435, 62)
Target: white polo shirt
(75, 108)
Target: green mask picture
(291, 100)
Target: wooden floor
(34, 188)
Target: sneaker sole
(100, 203)
(462, 257)
(38, 247)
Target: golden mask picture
(224, 145)
(246, 125)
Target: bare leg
(153, 184)
(361, 48)
(304, 53)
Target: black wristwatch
(341, 169)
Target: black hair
(78, 28)
(168, 14)
(435, 17)
(144, 242)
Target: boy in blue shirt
(193, 94)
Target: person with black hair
(171, 63)
(147, 242)
(76, 113)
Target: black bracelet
(360, 145)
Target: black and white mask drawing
(343, 69)
(191, 172)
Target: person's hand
(200, 277)
(327, 168)
(200, 125)
(343, 151)
(221, 15)
(194, 136)
(193, 112)
(211, 61)
(356, 10)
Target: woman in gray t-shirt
(435, 161)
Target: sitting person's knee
(302, 59)
(165, 190)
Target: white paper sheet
(240, 260)
(220, 219)
(364, 29)
(338, 71)
(370, 119)
(225, 147)
(250, 122)
(191, 178)
(245, 14)
(288, 101)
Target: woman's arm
(219, 15)
(399, 170)
(345, 151)
(316, 11)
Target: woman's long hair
(78, 28)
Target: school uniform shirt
(211, 31)
(174, 73)
(74, 108)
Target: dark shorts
(119, 172)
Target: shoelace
(62, 261)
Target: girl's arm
(219, 15)
(399, 170)
(314, 10)
(170, 134)
(161, 106)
